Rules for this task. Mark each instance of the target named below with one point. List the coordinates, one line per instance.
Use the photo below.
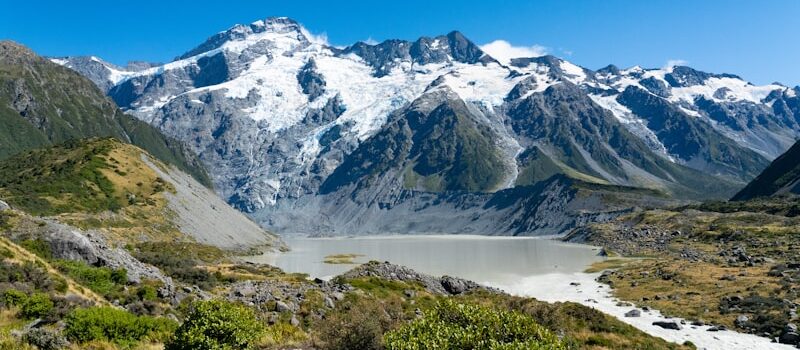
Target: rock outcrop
(444, 285)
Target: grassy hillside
(96, 183)
(42, 103)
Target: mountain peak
(242, 35)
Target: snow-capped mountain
(312, 138)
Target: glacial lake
(484, 259)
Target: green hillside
(43, 103)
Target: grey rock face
(312, 82)
(656, 87)
(385, 56)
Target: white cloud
(370, 41)
(321, 39)
(672, 63)
(503, 51)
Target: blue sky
(757, 40)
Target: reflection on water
(479, 258)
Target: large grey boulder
(69, 243)
(445, 285)
(668, 325)
(633, 313)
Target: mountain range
(310, 138)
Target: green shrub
(147, 293)
(450, 325)
(217, 324)
(102, 280)
(115, 325)
(37, 246)
(180, 261)
(35, 306)
(30, 274)
(13, 297)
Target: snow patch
(575, 74)
(738, 90)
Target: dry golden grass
(697, 285)
(146, 215)
(610, 264)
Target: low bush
(359, 323)
(181, 260)
(36, 306)
(37, 246)
(450, 325)
(45, 339)
(115, 325)
(217, 324)
(13, 297)
(282, 334)
(102, 280)
(29, 274)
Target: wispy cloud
(321, 38)
(503, 51)
(370, 41)
(675, 62)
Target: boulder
(445, 285)
(668, 325)
(455, 285)
(741, 321)
(789, 338)
(633, 313)
(281, 306)
(69, 243)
